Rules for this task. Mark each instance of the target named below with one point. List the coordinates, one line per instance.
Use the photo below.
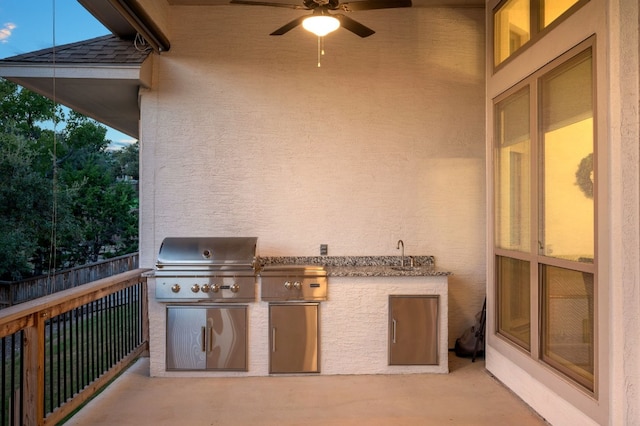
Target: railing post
(33, 403)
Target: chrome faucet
(401, 243)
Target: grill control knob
(215, 288)
(195, 288)
(234, 287)
(204, 288)
(297, 285)
(287, 285)
(175, 288)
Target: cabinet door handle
(210, 339)
(395, 324)
(273, 339)
(204, 339)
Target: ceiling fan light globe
(321, 25)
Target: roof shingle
(107, 49)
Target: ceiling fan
(321, 22)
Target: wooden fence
(14, 292)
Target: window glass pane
(513, 171)
(511, 28)
(567, 216)
(552, 9)
(514, 300)
(567, 323)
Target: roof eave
(106, 93)
(125, 19)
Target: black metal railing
(11, 381)
(57, 351)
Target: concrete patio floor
(469, 395)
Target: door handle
(273, 339)
(204, 339)
(395, 325)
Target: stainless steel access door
(413, 330)
(207, 337)
(293, 343)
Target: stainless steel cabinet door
(293, 344)
(186, 338)
(413, 330)
(211, 338)
(226, 340)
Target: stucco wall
(624, 21)
(242, 134)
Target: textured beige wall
(624, 133)
(242, 134)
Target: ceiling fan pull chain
(320, 49)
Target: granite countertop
(361, 266)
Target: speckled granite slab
(361, 266)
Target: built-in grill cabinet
(207, 337)
(413, 329)
(294, 343)
(294, 293)
(202, 280)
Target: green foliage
(127, 161)
(63, 199)
(25, 109)
(23, 196)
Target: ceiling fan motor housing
(328, 4)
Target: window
(514, 300)
(516, 22)
(566, 219)
(567, 318)
(511, 28)
(513, 177)
(550, 10)
(544, 220)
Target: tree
(24, 196)
(25, 109)
(127, 161)
(61, 200)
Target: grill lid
(181, 253)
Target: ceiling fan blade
(353, 26)
(265, 3)
(288, 27)
(373, 4)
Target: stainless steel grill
(214, 269)
(294, 293)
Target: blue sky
(28, 25)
